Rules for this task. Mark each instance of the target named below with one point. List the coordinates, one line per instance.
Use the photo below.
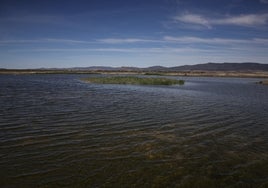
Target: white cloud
(169, 54)
(163, 50)
(243, 20)
(249, 20)
(71, 41)
(204, 40)
(216, 41)
(65, 41)
(167, 40)
(193, 19)
(261, 40)
(264, 1)
(75, 50)
(124, 40)
(48, 40)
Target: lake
(57, 131)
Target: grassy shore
(133, 80)
(247, 74)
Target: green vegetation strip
(133, 80)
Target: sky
(139, 33)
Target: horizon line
(118, 67)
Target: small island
(133, 80)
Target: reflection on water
(56, 130)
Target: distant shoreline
(264, 82)
(237, 74)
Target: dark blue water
(57, 131)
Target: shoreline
(263, 82)
(248, 74)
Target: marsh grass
(154, 74)
(133, 80)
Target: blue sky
(142, 33)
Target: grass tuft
(133, 80)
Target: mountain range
(248, 66)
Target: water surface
(56, 130)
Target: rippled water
(57, 131)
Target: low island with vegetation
(133, 80)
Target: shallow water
(56, 130)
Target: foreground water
(57, 131)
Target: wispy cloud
(193, 19)
(77, 50)
(264, 1)
(124, 40)
(221, 41)
(248, 20)
(166, 40)
(83, 50)
(67, 41)
(243, 20)
(72, 41)
(47, 40)
(163, 50)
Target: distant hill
(222, 67)
(248, 66)
(250, 70)
(236, 67)
(95, 68)
(211, 67)
(198, 67)
(156, 68)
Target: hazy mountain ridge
(236, 67)
(224, 67)
(248, 66)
